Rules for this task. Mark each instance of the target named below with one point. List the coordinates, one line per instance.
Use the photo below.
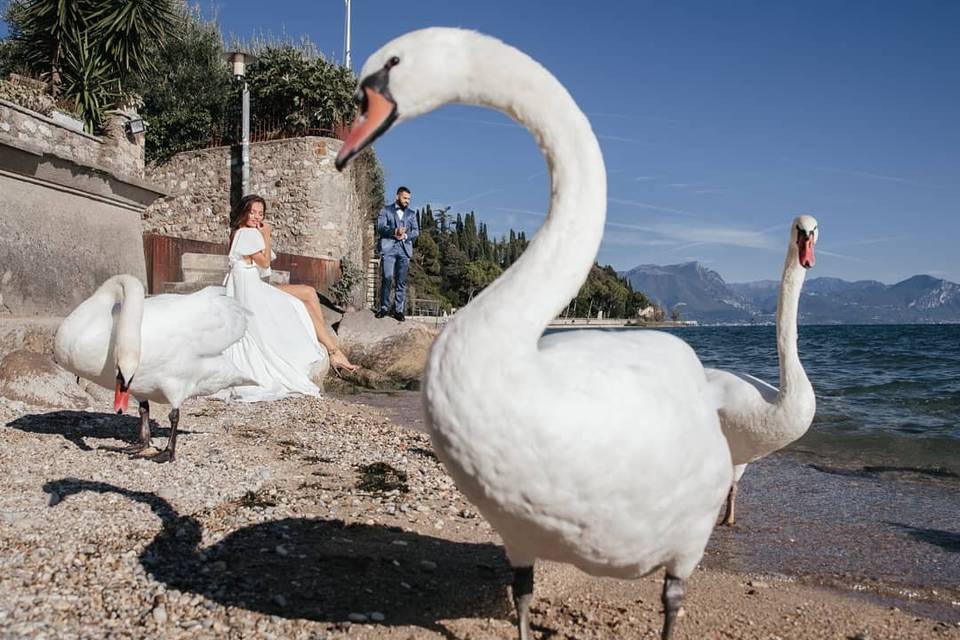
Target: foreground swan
(595, 452)
(166, 349)
(756, 417)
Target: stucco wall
(58, 246)
(70, 208)
(312, 207)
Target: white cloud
(858, 243)
(871, 176)
(604, 136)
(634, 239)
(653, 207)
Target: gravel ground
(320, 519)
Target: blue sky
(719, 123)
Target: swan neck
(793, 379)
(540, 284)
(128, 292)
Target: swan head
(803, 236)
(127, 363)
(409, 76)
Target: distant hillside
(701, 292)
(703, 295)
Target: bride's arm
(262, 258)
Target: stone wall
(313, 208)
(115, 152)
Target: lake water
(886, 394)
(867, 499)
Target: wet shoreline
(883, 532)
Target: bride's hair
(238, 216)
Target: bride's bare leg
(308, 297)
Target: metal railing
(267, 127)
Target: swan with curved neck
(756, 417)
(598, 452)
(166, 349)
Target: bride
(286, 334)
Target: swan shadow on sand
(318, 569)
(79, 426)
(946, 540)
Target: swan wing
(737, 389)
(631, 434)
(205, 322)
(627, 349)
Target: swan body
(594, 450)
(167, 348)
(756, 417)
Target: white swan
(167, 348)
(756, 417)
(597, 452)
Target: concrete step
(185, 287)
(213, 268)
(204, 275)
(205, 262)
(277, 276)
(194, 281)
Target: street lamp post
(346, 37)
(239, 60)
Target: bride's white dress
(280, 346)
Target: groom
(397, 226)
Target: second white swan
(165, 349)
(758, 418)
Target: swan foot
(167, 455)
(144, 443)
(522, 595)
(135, 450)
(729, 518)
(145, 452)
(672, 599)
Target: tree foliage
(301, 91)
(455, 259)
(189, 93)
(191, 100)
(605, 291)
(89, 50)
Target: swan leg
(144, 410)
(672, 599)
(522, 595)
(729, 518)
(170, 452)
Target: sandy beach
(265, 528)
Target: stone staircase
(204, 269)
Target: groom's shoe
(398, 315)
(380, 314)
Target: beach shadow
(78, 426)
(320, 569)
(873, 471)
(424, 453)
(944, 539)
(933, 472)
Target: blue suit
(394, 254)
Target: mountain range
(701, 294)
